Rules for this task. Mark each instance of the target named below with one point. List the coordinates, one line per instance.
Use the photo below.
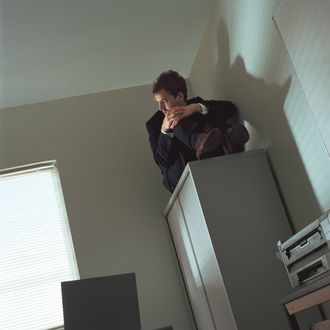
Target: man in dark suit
(186, 130)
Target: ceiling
(52, 49)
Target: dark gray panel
(102, 303)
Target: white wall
(242, 58)
(112, 189)
(304, 27)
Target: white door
(205, 258)
(189, 268)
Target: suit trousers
(188, 128)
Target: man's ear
(180, 96)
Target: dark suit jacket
(170, 154)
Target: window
(36, 250)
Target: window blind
(36, 249)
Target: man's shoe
(236, 137)
(219, 151)
(207, 144)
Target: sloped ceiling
(52, 49)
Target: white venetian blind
(36, 250)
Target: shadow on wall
(261, 100)
(262, 107)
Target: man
(185, 130)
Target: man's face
(166, 100)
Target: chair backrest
(101, 303)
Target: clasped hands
(175, 114)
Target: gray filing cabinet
(225, 218)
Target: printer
(306, 255)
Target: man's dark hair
(171, 82)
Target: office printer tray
(306, 241)
(306, 255)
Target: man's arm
(226, 109)
(177, 113)
(162, 144)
